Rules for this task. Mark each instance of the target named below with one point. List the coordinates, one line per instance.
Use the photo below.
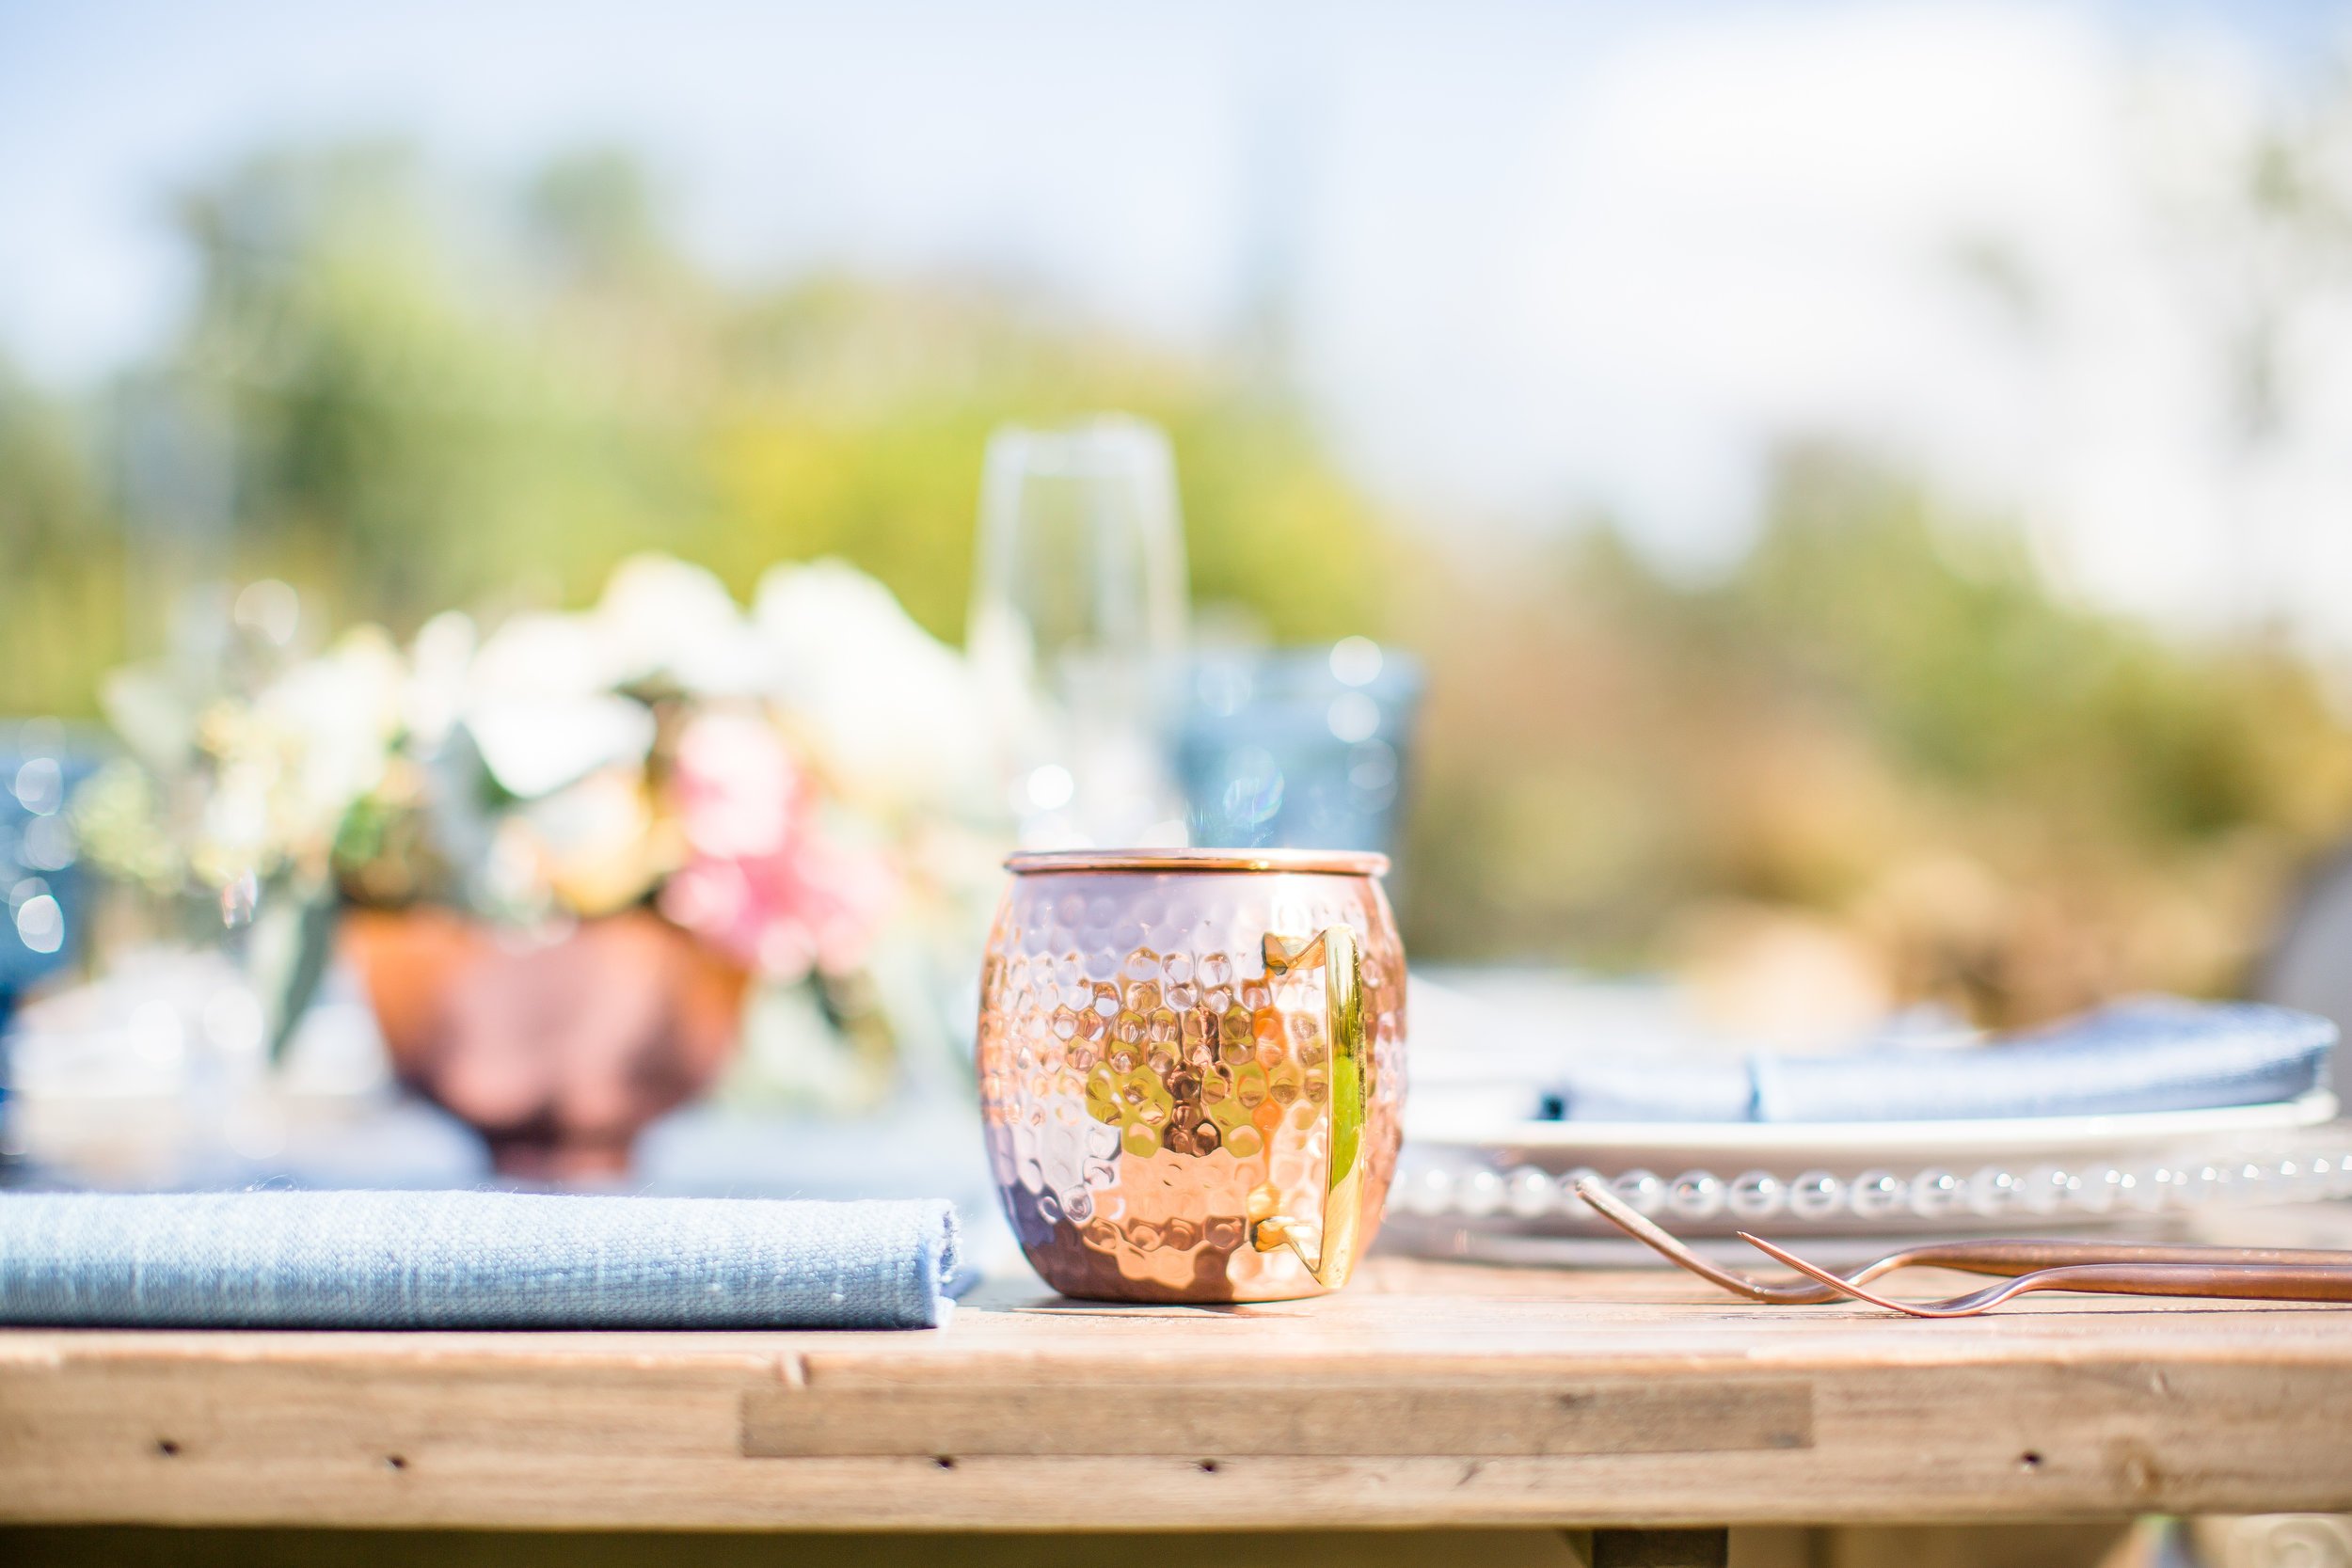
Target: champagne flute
(1077, 629)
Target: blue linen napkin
(2155, 1053)
(415, 1260)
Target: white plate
(1457, 1123)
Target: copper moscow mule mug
(1192, 1068)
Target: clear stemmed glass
(1078, 625)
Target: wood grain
(1424, 1394)
(1472, 1415)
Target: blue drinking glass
(1301, 747)
(39, 871)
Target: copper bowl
(557, 1052)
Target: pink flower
(762, 880)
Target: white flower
(338, 714)
(248, 784)
(535, 748)
(595, 841)
(891, 712)
(661, 617)
(543, 695)
(440, 664)
(541, 707)
(540, 654)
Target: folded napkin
(2149, 1054)
(376, 1259)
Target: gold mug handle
(1327, 1243)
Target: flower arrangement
(792, 803)
(241, 763)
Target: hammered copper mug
(1192, 1068)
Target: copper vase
(558, 1052)
(1192, 1068)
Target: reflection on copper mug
(1192, 1068)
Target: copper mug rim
(1343, 862)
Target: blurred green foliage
(402, 395)
(1886, 723)
(61, 560)
(434, 403)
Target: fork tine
(1845, 1287)
(1658, 1240)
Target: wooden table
(1424, 1394)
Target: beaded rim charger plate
(1464, 1190)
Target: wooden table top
(1425, 1394)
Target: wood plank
(1472, 1416)
(131, 1546)
(1432, 1395)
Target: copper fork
(2010, 1258)
(2225, 1280)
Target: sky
(1540, 261)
